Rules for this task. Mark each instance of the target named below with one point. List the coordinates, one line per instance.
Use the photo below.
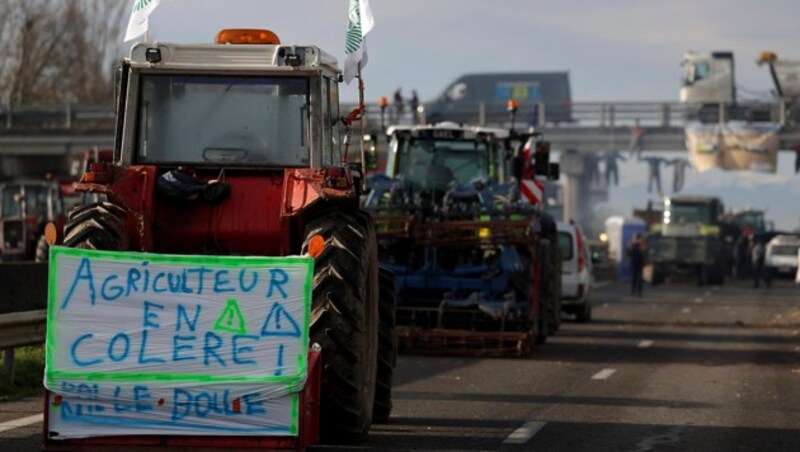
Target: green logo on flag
(354, 38)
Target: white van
(781, 256)
(576, 272)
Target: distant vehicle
(709, 80)
(27, 206)
(461, 101)
(781, 258)
(691, 238)
(576, 272)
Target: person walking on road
(636, 258)
(757, 259)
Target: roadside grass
(28, 374)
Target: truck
(691, 238)
(235, 148)
(709, 87)
(476, 263)
(473, 97)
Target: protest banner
(141, 344)
(733, 146)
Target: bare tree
(56, 51)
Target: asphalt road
(683, 368)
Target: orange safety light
(247, 36)
(383, 101)
(316, 245)
(513, 105)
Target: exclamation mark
(279, 371)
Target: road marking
(686, 310)
(17, 423)
(604, 374)
(645, 344)
(523, 434)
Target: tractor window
(683, 213)
(36, 201)
(330, 116)
(11, 208)
(427, 163)
(223, 120)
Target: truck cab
(708, 78)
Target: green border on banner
(218, 261)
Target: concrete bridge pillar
(573, 166)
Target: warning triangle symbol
(231, 319)
(280, 323)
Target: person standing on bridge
(636, 259)
(413, 103)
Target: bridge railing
(587, 114)
(80, 118)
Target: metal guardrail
(588, 114)
(77, 118)
(20, 329)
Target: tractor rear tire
(97, 226)
(42, 250)
(387, 348)
(344, 322)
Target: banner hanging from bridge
(734, 146)
(145, 344)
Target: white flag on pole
(137, 25)
(361, 23)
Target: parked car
(781, 258)
(576, 272)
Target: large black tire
(344, 321)
(96, 226)
(387, 348)
(42, 250)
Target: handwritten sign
(158, 344)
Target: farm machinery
(475, 259)
(235, 149)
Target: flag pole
(362, 107)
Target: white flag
(355, 49)
(137, 25)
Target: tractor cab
(27, 206)
(206, 131)
(433, 156)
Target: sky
(613, 49)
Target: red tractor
(236, 149)
(27, 206)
